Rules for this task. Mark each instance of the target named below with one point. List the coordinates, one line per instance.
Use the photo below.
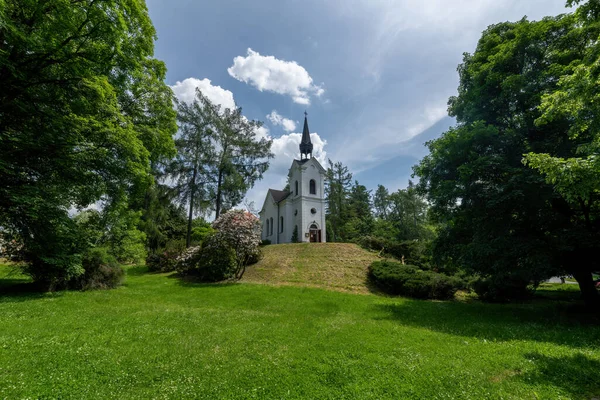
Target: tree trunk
(218, 204)
(588, 289)
(188, 237)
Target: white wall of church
(297, 208)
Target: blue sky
(374, 76)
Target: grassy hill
(337, 266)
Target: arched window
(313, 187)
(280, 224)
(314, 226)
(271, 225)
(268, 231)
(296, 188)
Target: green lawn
(159, 337)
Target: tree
(408, 214)
(337, 187)
(84, 110)
(576, 176)
(240, 158)
(360, 218)
(219, 157)
(498, 217)
(190, 168)
(381, 201)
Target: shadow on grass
(576, 374)
(137, 270)
(544, 322)
(193, 282)
(19, 290)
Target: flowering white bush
(240, 230)
(186, 260)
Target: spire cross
(305, 113)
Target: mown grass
(335, 266)
(160, 337)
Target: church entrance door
(315, 234)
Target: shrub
(240, 231)
(165, 260)
(399, 279)
(500, 290)
(101, 271)
(214, 261)
(265, 242)
(254, 257)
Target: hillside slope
(336, 266)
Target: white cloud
(186, 91)
(274, 75)
(276, 119)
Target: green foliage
(265, 242)
(162, 221)
(294, 236)
(51, 253)
(254, 256)
(499, 290)
(219, 157)
(337, 188)
(214, 261)
(498, 217)
(165, 260)
(399, 279)
(412, 252)
(408, 214)
(115, 228)
(84, 111)
(101, 271)
(201, 230)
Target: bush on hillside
(407, 280)
(501, 290)
(265, 242)
(102, 271)
(254, 256)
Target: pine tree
(337, 188)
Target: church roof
(279, 195)
(306, 146)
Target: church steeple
(306, 146)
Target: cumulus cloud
(276, 119)
(186, 91)
(274, 75)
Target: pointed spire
(306, 146)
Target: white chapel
(302, 207)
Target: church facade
(297, 214)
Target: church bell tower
(306, 146)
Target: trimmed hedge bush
(102, 271)
(407, 280)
